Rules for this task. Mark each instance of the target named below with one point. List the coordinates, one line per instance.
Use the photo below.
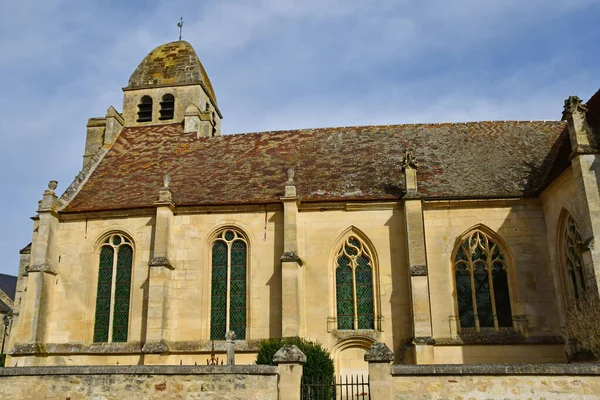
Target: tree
(583, 323)
(319, 365)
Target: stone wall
(496, 381)
(140, 382)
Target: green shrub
(318, 367)
(2, 359)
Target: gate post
(379, 357)
(290, 360)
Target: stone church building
(451, 243)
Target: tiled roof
(174, 63)
(470, 160)
(8, 284)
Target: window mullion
(354, 302)
(113, 286)
(490, 267)
(473, 294)
(228, 292)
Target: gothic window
(228, 288)
(114, 288)
(482, 291)
(145, 109)
(573, 249)
(167, 107)
(354, 286)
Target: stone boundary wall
(496, 381)
(258, 382)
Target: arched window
(354, 286)
(167, 107)
(573, 250)
(114, 288)
(145, 109)
(482, 283)
(228, 286)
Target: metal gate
(345, 388)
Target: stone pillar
(160, 290)
(230, 338)
(379, 357)
(199, 122)
(585, 161)
(290, 360)
(292, 313)
(114, 126)
(417, 264)
(41, 273)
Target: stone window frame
(570, 293)
(101, 242)
(161, 108)
(511, 276)
(214, 236)
(144, 96)
(332, 321)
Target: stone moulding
(81, 178)
(418, 270)
(42, 268)
(161, 262)
(290, 256)
(174, 347)
(156, 347)
(496, 369)
(423, 340)
(491, 336)
(142, 370)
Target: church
(451, 243)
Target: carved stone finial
(52, 185)
(379, 352)
(290, 176)
(166, 181)
(230, 336)
(409, 160)
(573, 104)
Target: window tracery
(573, 250)
(228, 285)
(114, 289)
(354, 286)
(481, 280)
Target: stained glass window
(114, 290)
(228, 289)
(481, 280)
(573, 248)
(354, 286)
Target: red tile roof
(470, 160)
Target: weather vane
(180, 25)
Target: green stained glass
(237, 302)
(218, 309)
(122, 294)
(364, 294)
(116, 240)
(105, 272)
(229, 235)
(344, 296)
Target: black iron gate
(345, 388)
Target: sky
(279, 64)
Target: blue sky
(280, 64)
